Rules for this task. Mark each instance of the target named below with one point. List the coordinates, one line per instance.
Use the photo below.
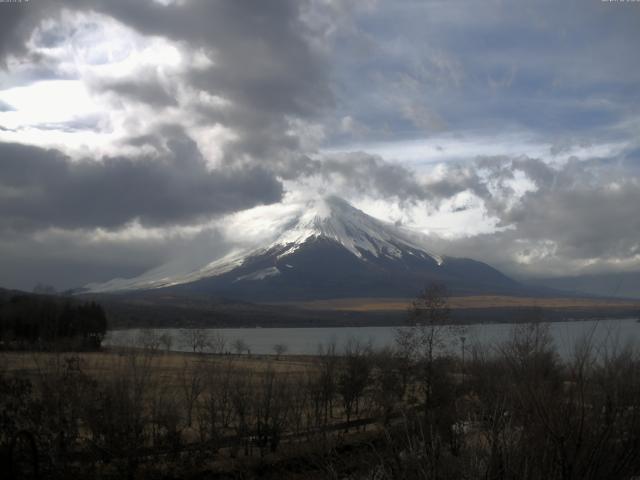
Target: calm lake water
(305, 341)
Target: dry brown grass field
(171, 395)
(168, 365)
(467, 302)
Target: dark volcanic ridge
(328, 249)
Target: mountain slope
(622, 284)
(329, 249)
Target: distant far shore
(464, 302)
(370, 312)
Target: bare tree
(196, 339)
(280, 349)
(166, 340)
(270, 408)
(216, 409)
(240, 346)
(428, 332)
(301, 406)
(388, 382)
(327, 378)
(118, 415)
(241, 394)
(354, 377)
(165, 419)
(148, 339)
(192, 382)
(217, 342)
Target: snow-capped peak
(330, 218)
(335, 219)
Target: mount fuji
(327, 249)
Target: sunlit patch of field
(478, 301)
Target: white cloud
(65, 100)
(77, 116)
(467, 146)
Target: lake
(305, 341)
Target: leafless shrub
(196, 339)
(326, 380)
(240, 346)
(279, 349)
(117, 417)
(271, 410)
(216, 410)
(354, 376)
(148, 339)
(426, 337)
(166, 341)
(217, 342)
(192, 384)
(388, 383)
(241, 395)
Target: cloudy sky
(132, 132)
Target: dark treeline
(43, 322)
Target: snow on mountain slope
(330, 218)
(335, 219)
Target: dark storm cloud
(43, 188)
(458, 179)
(72, 259)
(263, 63)
(555, 68)
(17, 21)
(581, 212)
(585, 222)
(150, 92)
(261, 53)
(587, 209)
(364, 173)
(371, 175)
(70, 262)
